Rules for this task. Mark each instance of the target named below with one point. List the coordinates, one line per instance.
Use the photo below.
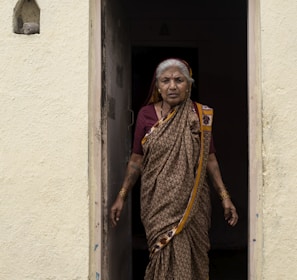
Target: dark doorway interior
(212, 37)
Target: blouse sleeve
(139, 133)
(212, 148)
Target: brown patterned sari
(175, 203)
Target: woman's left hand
(230, 213)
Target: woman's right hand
(132, 173)
(116, 210)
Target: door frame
(97, 155)
(96, 152)
(255, 142)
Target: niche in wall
(26, 17)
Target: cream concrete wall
(279, 101)
(44, 204)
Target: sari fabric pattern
(171, 157)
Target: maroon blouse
(146, 118)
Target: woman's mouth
(172, 95)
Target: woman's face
(173, 86)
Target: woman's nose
(172, 84)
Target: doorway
(212, 37)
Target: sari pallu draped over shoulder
(175, 205)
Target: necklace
(161, 109)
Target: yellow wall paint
(279, 100)
(44, 212)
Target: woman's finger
(234, 218)
(113, 217)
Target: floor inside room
(228, 264)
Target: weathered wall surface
(44, 144)
(279, 93)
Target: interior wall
(223, 86)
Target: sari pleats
(186, 256)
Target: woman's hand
(116, 210)
(230, 213)
(133, 171)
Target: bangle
(123, 193)
(224, 195)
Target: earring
(159, 90)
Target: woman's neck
(164, 109)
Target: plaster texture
(279, 100)
(44, 204)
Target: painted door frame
(255, 141)
(96, 153)
(109, 136)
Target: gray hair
(171, 62)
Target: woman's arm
(214, 172)
(133, 172)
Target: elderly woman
(174, 154)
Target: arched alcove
(26, 18)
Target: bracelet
(123, 193)
(224, 195)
